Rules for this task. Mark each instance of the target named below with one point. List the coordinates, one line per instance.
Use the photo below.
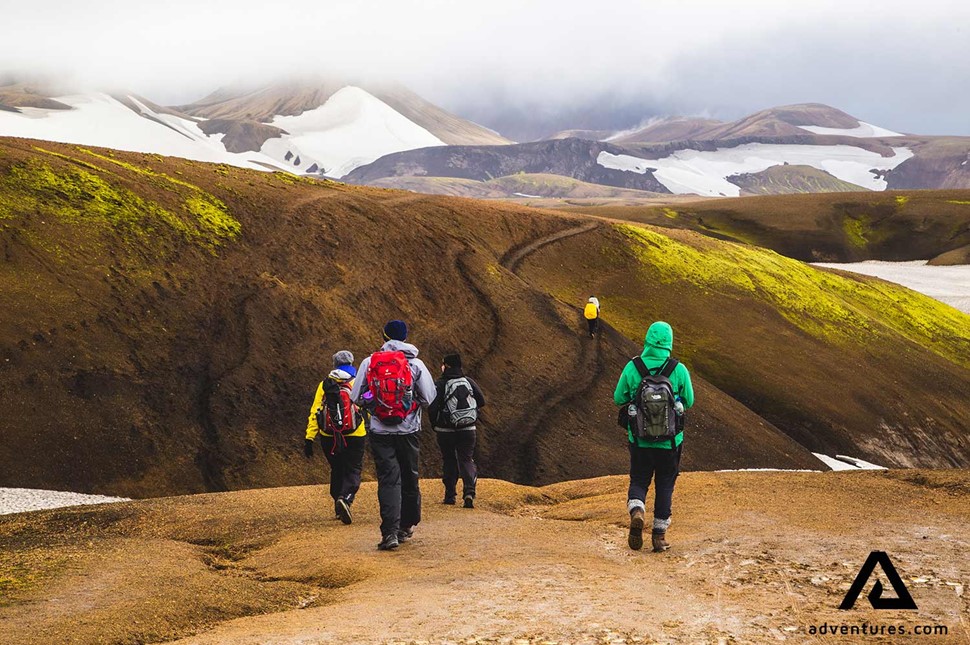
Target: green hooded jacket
(657, 346)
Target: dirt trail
(513, 258)
(537, 564)
(538, 416)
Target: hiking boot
(660, 542)
(336, 509)
(343, 511)
(389, 543)
(450, 501)
(403, 535)
(636, 529)
(469, 501)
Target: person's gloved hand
(679, 406)
(308, 448)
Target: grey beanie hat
(343, 357)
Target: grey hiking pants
(396, 462)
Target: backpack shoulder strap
(641, 366)
(668, 367)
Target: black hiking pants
(660, 464)
(345, 466)
(457, 450)
(396, 463)
(593, 323)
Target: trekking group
(383, 398)
(385, 402)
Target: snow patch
(859, 463)
(707, 172)
(842, 462)
(862, 131)
(767, 470)
(98, 119)
(353, 128)
(22, 500)
(526, 195)
(834, 464)
(948, 284)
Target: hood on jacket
(342, 374)
(659, 340)
(408, 349)
(452, 372)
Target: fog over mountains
(385, 134)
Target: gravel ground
(949, 284)
(22, 500)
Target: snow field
(351, 129)
(948, 284)
(22, 500)
(706, 172)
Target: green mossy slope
(831, 306)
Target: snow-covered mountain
(796, 148)
(322, 130)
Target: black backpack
(655, 418)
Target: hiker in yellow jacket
(334, 417)
(592, 315)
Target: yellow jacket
(312, 429)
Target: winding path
(537, 417)
(513, 258)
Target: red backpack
(339, 416)
(391, 383)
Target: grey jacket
(424, 389)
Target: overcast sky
(548, 63)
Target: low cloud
(539, 64)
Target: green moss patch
(857, 230)
(88, 193)
(79, 196)
(822, 303)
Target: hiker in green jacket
(654, 458)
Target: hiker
(393, 386)
(592, 314)
(453, 414)
(654, 390)
(336, 419)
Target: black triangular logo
(902, 600)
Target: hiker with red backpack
(334, 417)
(653, 393)
(394, 384)
(454, 413)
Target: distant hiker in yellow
(592, 315)
(653, 392)
(335, 418)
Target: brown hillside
(838, 227)
(791, 180)
(167, 321)
(756, 558)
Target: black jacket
(436, 406)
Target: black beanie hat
(452, 360)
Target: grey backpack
(655, 418)
(460, 408)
